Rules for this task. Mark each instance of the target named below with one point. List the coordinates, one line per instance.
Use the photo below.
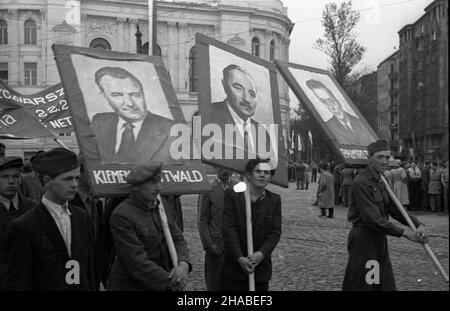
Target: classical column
(15, 43)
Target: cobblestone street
(312, 254)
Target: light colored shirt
(121, 128)
(414, 172)
(61, 216)
(6, 202)
(244, 126)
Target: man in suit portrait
(238, 110)
(348, 129)
(130, 134)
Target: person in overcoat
(51, 247)
(12, 203)
(325, 191)
(435, 188)
(369, 214)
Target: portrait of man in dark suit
(237, 110)
(348, 129)
(130, 134)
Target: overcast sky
(378, 27)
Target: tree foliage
(339, 42)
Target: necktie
(11, 206)
(127, 142)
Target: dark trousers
(415, 201)
(300, 181)
(346, 195)
(227, 284)
(337, 197)
(213, 265)
(330, 212)
(365, 244)
(425, 200)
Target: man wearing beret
(12, 203)
(369, 213)
(51, 246)
(142, 256)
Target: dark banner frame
(108, 178)
(204, 103)
(339, 148)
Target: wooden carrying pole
(248, 218)
(167, 234)
(413, 227)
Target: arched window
(255, 46)
(192, 70)
(100, 43)
(272, 50)
(30, 32)
(157, 51)
(3, 32)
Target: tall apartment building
(28, 28)
(388, 101)
(423, 84)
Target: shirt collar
(237, 119)
(136, 125)
(56, 208)
(5, 201)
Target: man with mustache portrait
(130, 134)
(238, 110)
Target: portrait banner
(48, 106)
(239, 109)
(322, 96)
(123, 108)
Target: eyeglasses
(265, 172)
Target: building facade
(29, 28)
(423, 85)
(388, 101)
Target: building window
(192, 70)
(30, 74)
(4, 71)
(157, 50)
(30, 32)
(3, 32)
(101, 44)
(272, 50)
(255, 46)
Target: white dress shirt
(121, 128)
(5, 201)
(244, 126)
(61, 216)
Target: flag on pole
(310, 137)
(292, 141)
(299, 142)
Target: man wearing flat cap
(369, 213)
(12, 203)
(51, 246)
(142, 259)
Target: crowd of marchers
(56, 235)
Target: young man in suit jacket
(12, 203)
(130, 134)
(51, 247)
(266, 225)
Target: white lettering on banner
(61, 123)
(181, 176)
(110, 177)
(35, 101)
(7, 120)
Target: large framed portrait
(239, 108)
(123, 108)
(325, 100)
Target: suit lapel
(51, 229)
(150, 138)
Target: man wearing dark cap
(51, 247)
(12, 203)
(143, 260)
(369, 265)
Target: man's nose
(129, 101)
